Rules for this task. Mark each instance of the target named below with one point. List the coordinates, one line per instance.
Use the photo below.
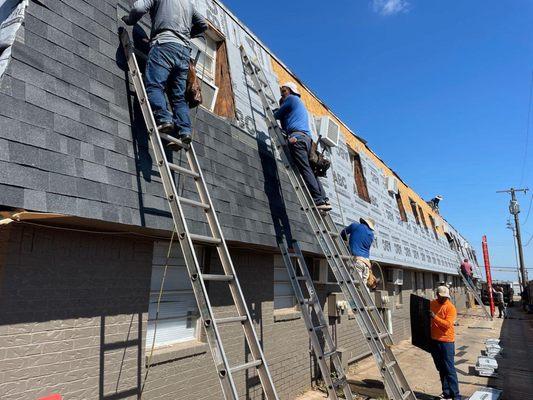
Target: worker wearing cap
(361, 236)
(295, 122)
(443, 315)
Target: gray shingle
(23, 176)
(4, 151)
(61, 204)
(95, 172)
(69, 127)
(63, 184)
(25, 112)
(52, 102)
(89, 208)
(89, 189)
(23, 154)
(35, 200)
(12, 196)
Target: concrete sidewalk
(515, 367)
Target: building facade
(85, 229)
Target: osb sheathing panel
(315, 107)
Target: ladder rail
(390, 371)
(314, 304)
(229, 269)
(225, 372)
(473, 290)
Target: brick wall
(72, 313)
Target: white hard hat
(369, 221)
(443, 291)
(292, 86)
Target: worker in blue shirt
(360, 237)
(295, 122)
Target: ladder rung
(380, 336)
(301, 278)
(172, 139)
(319, 327)
(217, 277)
(229, 320)
(344, 257)
(194, 203)
(332, 234)
(330, 353)
(204, 239)
(308, 302)
(390, 364)
(367, 308)
(249, 365)
(339, 382)
(182, 170)
(406, 395)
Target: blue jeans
(300, 147)
(443, 354)
(166, 71)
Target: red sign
(51, 397)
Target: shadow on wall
(76, 300)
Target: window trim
(401, 208)
(414, 210)
(358, 171)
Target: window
(212, 68)
(401, 208)
(422, 217)
(360, 180)
(415, 212)
(178, 312)
(204, 52)
(283, 292)
(432, 220)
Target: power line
(529, 209)
(524, 161)
(529, 241)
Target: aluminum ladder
(472, 289)
(312, 312)
(339, 259)
(187, 241)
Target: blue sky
(440, 89)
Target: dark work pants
(300, 147)
(443, 354)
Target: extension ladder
(472, 289)
(312, 312)
(188, 240)
(340, 261)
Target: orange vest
(442, 328)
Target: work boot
(185, 138)
(323, 207)
(166, 127)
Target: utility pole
(511, 227)
(514, 209)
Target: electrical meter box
(337, 305)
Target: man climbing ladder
(174, 23)
(339, 258)
(188, 241)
